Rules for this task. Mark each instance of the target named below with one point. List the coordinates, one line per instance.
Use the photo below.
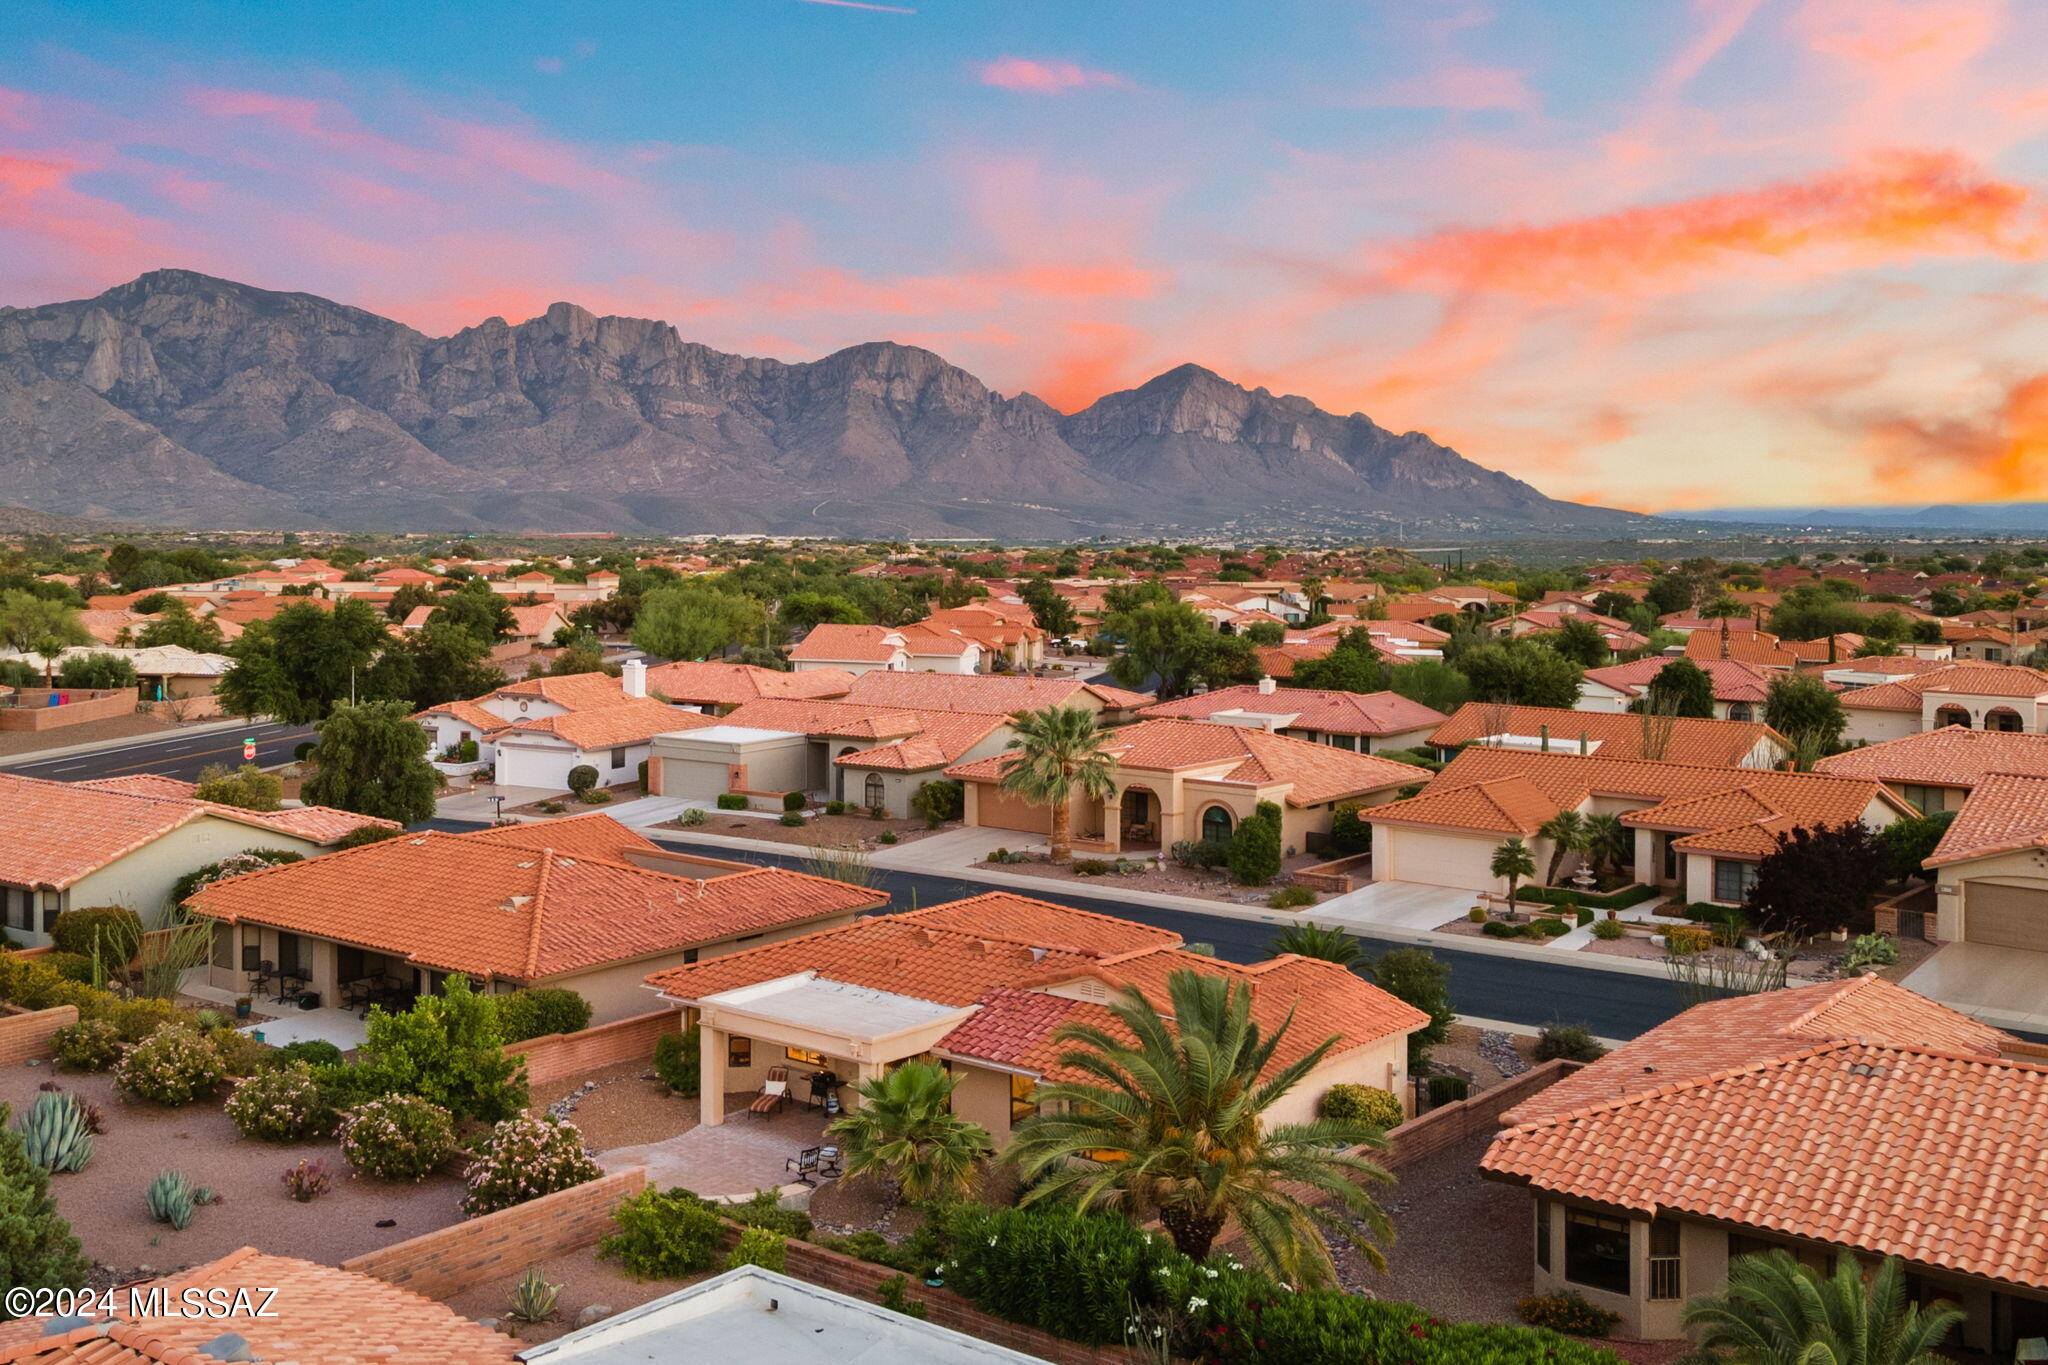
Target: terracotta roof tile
(1683, 739)
(983, 694)
(723, 684)
(2004, 812)
(1335, 713)
(1809, 1145)
(1966, 679)
(832, 643)
(1953, 756)
(633, 720)
(484, 904)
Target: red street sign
(248, 750)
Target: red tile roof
(1734, 680)
(1966, 679)
(721, 684)
(59, 832)
(1811, 1145)
(318, 1316)
(1334, 713)
(1680, 739)
(1312, 773)
(924, 738)
(2005, 812)
(484, 904)
(983, 694)
(1953, 756)
(832, 643)
(632, 720)
(1724, 1034)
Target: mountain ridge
(185, 399)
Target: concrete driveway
(1394, 905)
(2003, 986)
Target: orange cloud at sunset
(1896, 205)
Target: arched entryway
(1218, 823)
(1138, 819)
(1951, 715)
(2003, 718)
(839, 773)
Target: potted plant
(242, 1003)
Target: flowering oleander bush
(524, 1158)
(173, 1066)
(88, 1045)
(283, 1105)
(398, 1137)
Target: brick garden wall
(1450, 1124)
(32, 709)
(23, 1036)
(555, 1055)
(445, 1262)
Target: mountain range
(184, 400)
(1993, 517)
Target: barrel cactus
(54, 1133)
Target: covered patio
(730, 1161)
(818, 1037)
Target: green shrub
(88, 1045)
(731, 801)
(1448, 1089)
(835, 808)
(677, 1061)
(1477, 915)
(887, 836)
(692, 816)
(1567, 1312)
(1870, 950)
(1255, 847)
(1289, 897)
(1613, 900)
(582, 778)
(1609, 930)
(398, 1137)
(938, 801)
(596, 796)
(1583, 917)
(1549, 927)
(1573, 1042)
(663, 1236)
(114, 929)
(313, 1052)
(173, 1066)
(1360, 1104)
(240, 1053)
(1685, 940)
(524, 1158)
(794, 819)
(138, 1019)
(286, 1104)
(71, 966)
(448, 1048)
(536, 1011)
(761, 1247)
(643, 775)
(765, 1210)
(302, 751)
(1495, 928)
(1347, 832)
(878, 812)
(1091, 867)
(1201, 853)
(793, 801)
(367, 834)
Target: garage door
(995, 808)
(1415, 855)
(694, 779)
(2005, 916)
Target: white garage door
(693, 779)
(2005, 916)
(1438, 859)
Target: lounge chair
(774, 1092)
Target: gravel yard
(628, 1106)
(1461, 1243)
(586, 1281)
(104, 1202)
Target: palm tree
(1776, 1311)
(1170, 1120)
(1512, 861)
(906, 1129)
(1324, 941)
(1608, 842)
(1566, 831)
(1059, 752)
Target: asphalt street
(173, 756)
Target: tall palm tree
(905, 1128)
(1171, 1119)
(1776, 1311)
(1059, 752)
(1566, 831)
(1608, 842)
(1512, 862)
(1324, 941)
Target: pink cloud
(1029, 76)
(859, 4)
(1458, 85)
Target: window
(1733, 881)
(689, 955)
(875, 794)
(1926, 800)
(224, 945)
(1664, 1262)
(739, 1051)
(1596, 1251)
(618, 758)
(252, 954)
(804, 1055)
(1740, 710)
(1543, 1233)
(1023, 1105)
(1216, 823)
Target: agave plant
(533, 1298)
(55, 1134)
(172, 1199)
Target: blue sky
(1676, 254)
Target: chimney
(633, 678)
(1266, 687)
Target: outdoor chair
(260, 978)
(804, 1165)
(774, 1092)
(828, 1163)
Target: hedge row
(1613, 900)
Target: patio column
(711, 1076)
